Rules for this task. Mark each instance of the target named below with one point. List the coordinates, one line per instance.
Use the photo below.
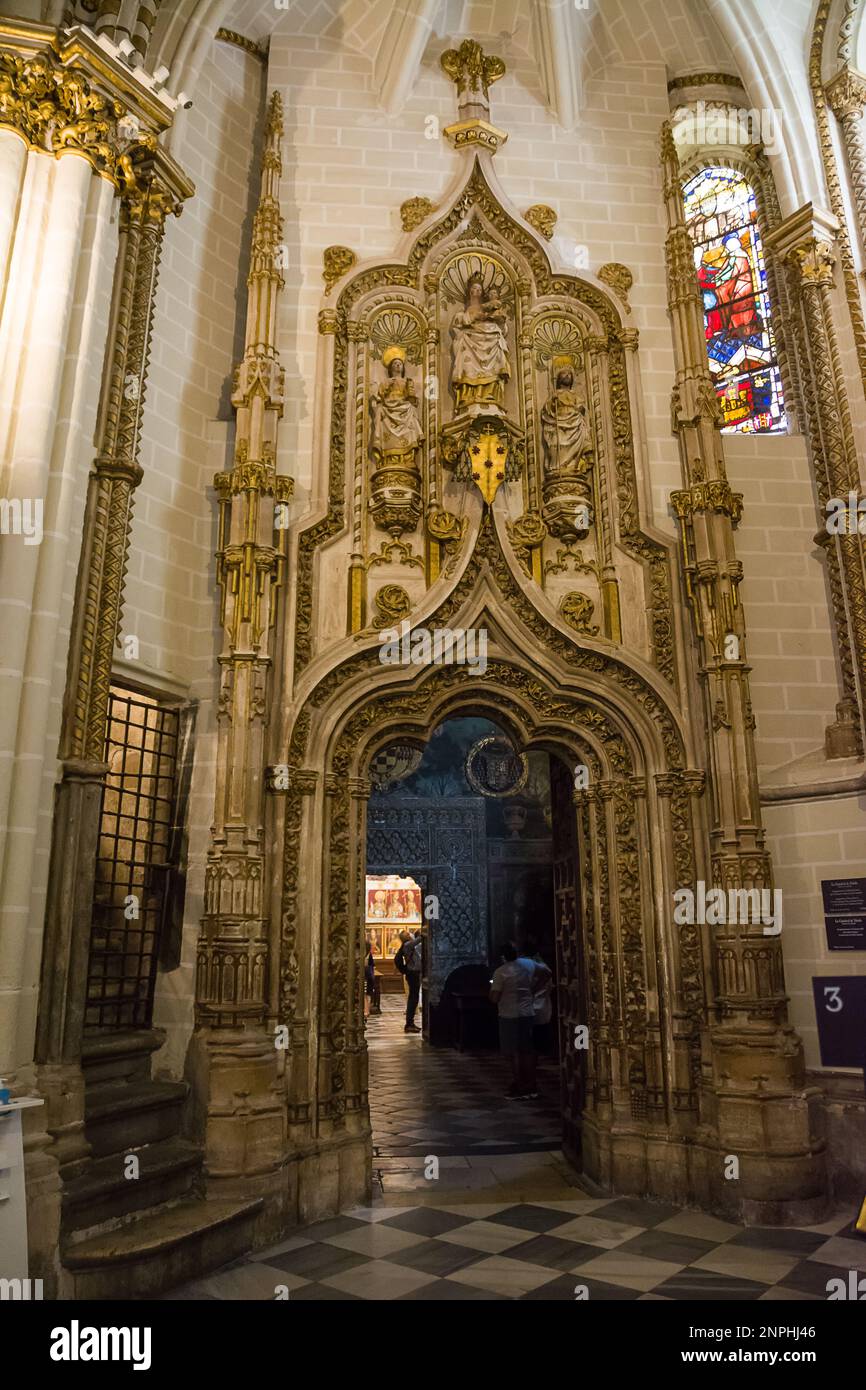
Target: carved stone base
(239, 1116)
(567, 508)
(43, 1202)
(62, 1085)
(395, 494)
(336, 1176)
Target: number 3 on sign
(833, 1005)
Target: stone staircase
(134, 1237)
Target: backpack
(412, 956)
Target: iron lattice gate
(133, 867)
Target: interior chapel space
(326, 324)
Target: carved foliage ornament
(58, 110)
(471, 69)
(619, 278)
(337, 260)
(415, 211)
(392, 605)
(577, 609)
(542, 218)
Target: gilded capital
(814, 259)
(846, 93)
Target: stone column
(806, 243)
(761, 1108)
(236, 1056)
(57, 244)
(846, 95)
(96, 623)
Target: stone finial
(472, 70)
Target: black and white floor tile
(506, 1216)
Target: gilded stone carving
(577, 610)
(651, 552)
(233, 948)
(471, 69)
(415, 211)
(385, 555)
(542, 218)
(567, 557)
(59, 109)
(444, 526)
(619, 278)
(337, 260)
(393, 604)
(705, 79)
(473, 72)
(250, 46)
(396, 435)
(834, 187)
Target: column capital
(846, 93)
(70, 95)
(805, 240)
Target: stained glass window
(722, 217)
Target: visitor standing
(513, 989)
(408, 961)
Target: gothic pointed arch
(556, 423)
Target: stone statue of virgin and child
(480, 365)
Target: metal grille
(133, 867)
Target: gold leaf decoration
(336, 261)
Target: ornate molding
(713, 496)
(705, 79)
(255, 50)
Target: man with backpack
(408, 961)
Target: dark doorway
(490, 851)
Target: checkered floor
(439, 1101)
(506, 1217)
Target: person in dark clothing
(372, 987)
(408, 962)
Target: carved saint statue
(479, 349)
(564, 426)
(395, 425)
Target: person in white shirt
(541, 1032)
(513, 989)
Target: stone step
(114, 1056)
(167, 1171)
(120, 1116)
(153, 1253)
